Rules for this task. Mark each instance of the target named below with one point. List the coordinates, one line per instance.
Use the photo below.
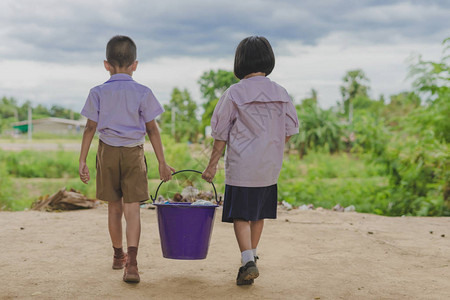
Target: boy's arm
(165, 171)
(88, 134)
(211, 169)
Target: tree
(23, 110)
(432, 77)
(399, 107)
(8, 108)
(417, 158)
(212, 85)
(41, 111)
(8, 112)
(180, 119)
(432, 80)
(355, 84)
(58, 111)
(312, 101)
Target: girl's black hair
(121, 51)
(253, 54)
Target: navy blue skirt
(249, 203)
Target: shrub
(6, 189)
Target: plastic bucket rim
(184, 205)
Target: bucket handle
(181, 171)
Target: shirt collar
(257, 78)
(120, 77)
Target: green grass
(326, 180)
(28, 190)
(43, 164)
(22, 192)
(366, 194)
(321, 179)
(26, 175)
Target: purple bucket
(184, 229)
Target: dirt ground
(303, 255)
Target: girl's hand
(209, 173)
(83, 170)
(165, 172)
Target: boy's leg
(134, 185)
(115, 212)
(132, 214)
(133, 219)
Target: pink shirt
(254, 116)
(121, 107)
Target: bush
(6, 189)
(50, 164)
(319, 129)
(371, 135)
(419, 173)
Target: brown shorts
(121, 172)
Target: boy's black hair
(121, 51)
(253, 54)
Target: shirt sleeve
(92, 106)
(291, 119)
(150, 107)
(223, 118)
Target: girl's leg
(115, 212)
(244, 238)
(133, 218)
(243, 234)
(248, 272)
(256, 228)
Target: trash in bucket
(185, 229)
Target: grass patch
(321, 179)
(366, 194)
(326, 180)
(27, 190)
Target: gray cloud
(77, 31)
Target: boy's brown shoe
(119, 263)
(131, 274)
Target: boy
(122, 111)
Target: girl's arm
(211, 169)
(88, 134)
(165, 171)
(287, 138)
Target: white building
(52, 125)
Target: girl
(254, 118)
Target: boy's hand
(209, 173)
(165, 172)
(83, 170)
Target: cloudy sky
(52, 51)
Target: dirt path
(304, 255)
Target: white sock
(247, 256)
(254, 252)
